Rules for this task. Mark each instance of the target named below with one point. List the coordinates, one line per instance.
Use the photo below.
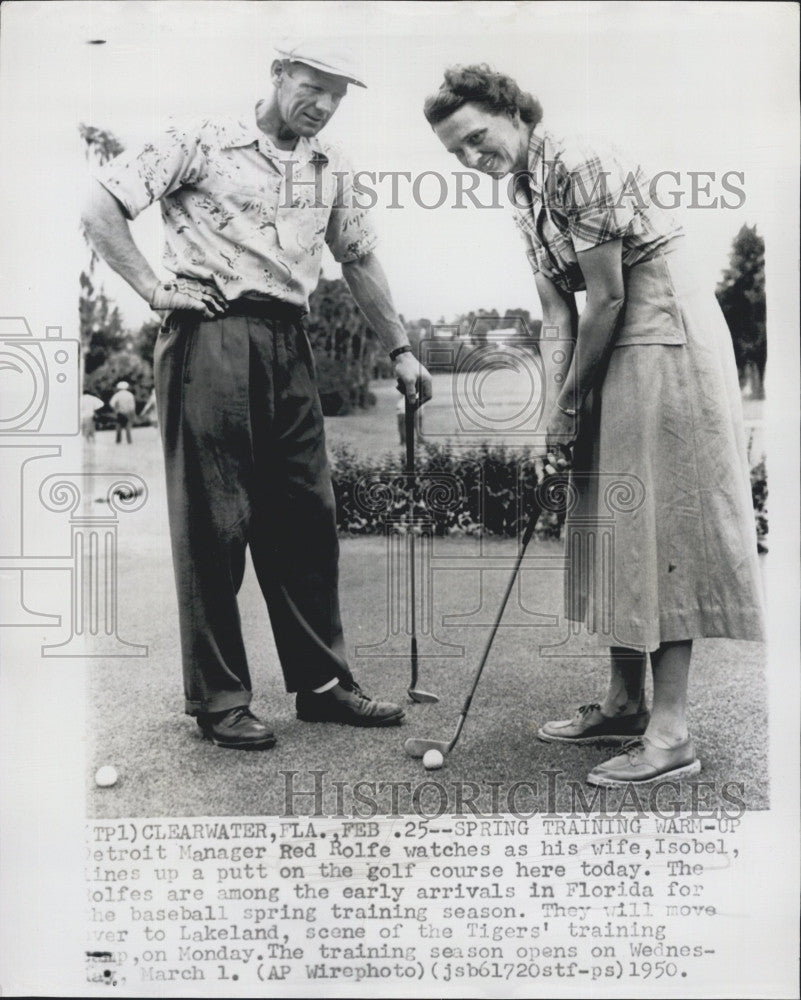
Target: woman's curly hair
(495, 92)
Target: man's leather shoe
(346, 703)
(236, 729)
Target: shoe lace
(633, 747)
(586, 709)
(240, 712)
(232, 714)
(354, 688)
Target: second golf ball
(432, 760)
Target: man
(247, 206)
(123, 404)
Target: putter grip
(409, 418)
(532, 524)
(540, 503)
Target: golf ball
(432, 760)
(106, 776)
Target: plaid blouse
(574, 197)
(241, 213)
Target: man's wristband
(394, 355)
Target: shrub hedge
(759, 494)
(484, 490)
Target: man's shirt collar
(245, 132)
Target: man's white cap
(123, 385)
(329, 57)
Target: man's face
(307, 98)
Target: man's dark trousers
(245, 461)
(123, 424)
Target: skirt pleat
(661, 537)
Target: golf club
(414, 692)
(418, 747)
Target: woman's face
(494, 144)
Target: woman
(648, 404)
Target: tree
(483, 323)
(100, 143)
(523, 323)
(121, 365)
(344, 346)
(477, 326)
(144, 340)
(101, 327)
(100, 146)
(741, 294)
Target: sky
(675, 84)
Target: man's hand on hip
(186, 293)
(413, 379)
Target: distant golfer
(123, 403)
(649, 395)
(248, 205)
(89, 404)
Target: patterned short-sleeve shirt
(576, 196)
(241, 213)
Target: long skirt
(660, 534)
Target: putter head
(418, 748)
(422, 697)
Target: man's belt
(265, 307)
(262, 306)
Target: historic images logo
(39, 398)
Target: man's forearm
(368, 285)
(107, 228)
(596, 328)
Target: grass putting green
(165, 769)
